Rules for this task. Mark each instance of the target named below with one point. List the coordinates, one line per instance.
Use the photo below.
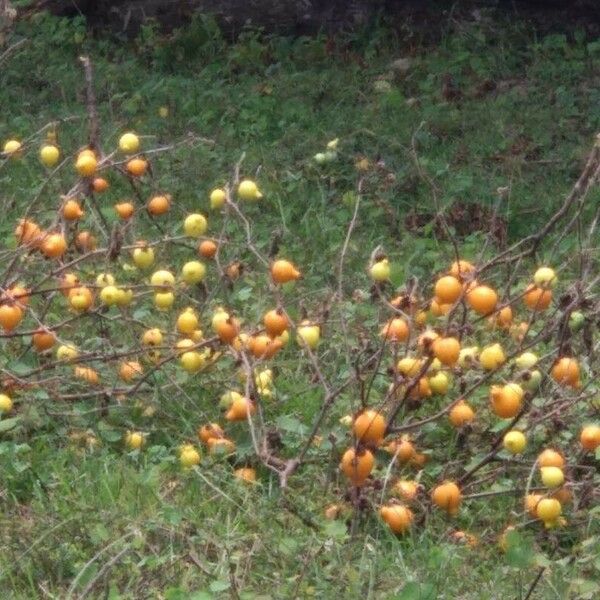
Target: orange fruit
(16, 293)
(67, 282)
(85, 241)
(506, 400)
(537, 298)
(263, 346)
(136, 166)
(403, 448)
(482, 299)
(395, 330)
(531, 502)
(460, 268)
(207, 248)
(129, 370)
(438, 308)
(406, 489)
(81, 298)
(240, 408)
(461, 414)
(227, 330)
(447, 496)
(448, 289)
(446, 350)
(159, 205)
(283, 271)
(503, 318)
(99, 185)
(208, 431)
(43, 339)
(54, 245)
(590, 437)
(87, 374)
(566, 371)
(275, 322)
(369, 426)
(28, 232)
(10, 316)
(357, 465)
(398, 518)
(550, 458)
(124, 209)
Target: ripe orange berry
(506, 400)
(54, 245)
(503, 318)
(263, 346)
(369, 426)
(136, 167)
(531, 502)
(398, 518)
(85, 241)
(227, 330)
(590, 437)
(28, 233)
(129, 370)
(10, 316)
(16, 294)
(406, 489)
(482, 299)
(438, 308)
(357, 465)
(537, 298)
(461, 268)
(99, 185)
(402, 448)
(67, 282)
(446, 350)
(566, 371)
(124, 209)
(43, 339)
(275, 322)
(395, 330)
(240, 408)
(159, 205)
(283, 271)
(461, 414)
(72, 210)
(447, 496)
(207, 248)
(550, 458)
(208, 431)
(87, 374)
(448, 289)
(81, 298)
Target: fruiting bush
(126, 330)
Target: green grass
(131, 525)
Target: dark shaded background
(299, 17)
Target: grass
(116, 525)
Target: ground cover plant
(286, 318)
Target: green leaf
(219, 585)
(519, 551)
(8, 424)
(291, 425)
(416, 591)
(336, 530)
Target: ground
(490, 106)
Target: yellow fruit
(492, 357)
(552, 476)
(162, 279)
(164, 300)
(109, 295)
(548, 510)
(308, 334)
(192, 361)
(406, 489)
(217, 198)
(248, 190)
(195, 225)
(189, 457)
(380, 270)
(247, 474)
(439, 383)
(86, 165)
(49, 155)
(545, 277)
(12, 148)
(152, 337)
(468, 357)
(514, 441)
(193, 272)
(6, 404)
(409, 366)
(143, 257)
(134, 440)
(527, 360)
(187, 321)
(67, 352)
(129, 143)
